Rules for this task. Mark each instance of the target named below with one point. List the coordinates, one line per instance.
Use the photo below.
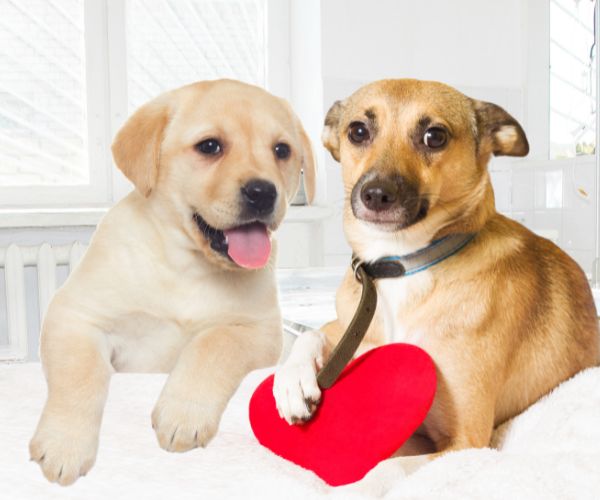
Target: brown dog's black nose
(379, 194)
(259, 196)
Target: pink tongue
(249, 246)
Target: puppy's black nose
(259, 196)
(379, 194)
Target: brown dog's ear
(309, 167)
(136, 148)
(331, 130)
(498, 132)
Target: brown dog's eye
(435, 137)
(210, 147)
(282, 150)
(358, 133)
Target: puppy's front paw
(296, 392)
(64, 449)
(182, 425)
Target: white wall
(462, 42)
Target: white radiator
(14, 259)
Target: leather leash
(348, 344)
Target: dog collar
(396, 266)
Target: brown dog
(505, 319)
(179, 276)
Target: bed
(552, 450)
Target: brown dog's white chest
(396, 298)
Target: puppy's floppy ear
(136, 148)
(331, 130)
(498, 132)
(309, 166)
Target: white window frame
(536, 64)
(107, 110)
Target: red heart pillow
(376, 404)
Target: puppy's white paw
(64, 449)
(296, 392)
(182, 424)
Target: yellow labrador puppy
(179, 276)
(505, 314)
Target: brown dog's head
(414, 156)
(222, 160)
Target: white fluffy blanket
(551, 451)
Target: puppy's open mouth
(248, 245)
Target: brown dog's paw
(63, 450)
(296, 392)
(182, 425)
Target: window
(572, 78)
(174, 42)
(553, 191)
(42, 94)
(71, 71)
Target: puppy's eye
(435, 137)
(358, 133)
(209, 147)
(282, 150)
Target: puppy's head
(414, 158)
(222, 160)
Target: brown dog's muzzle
(388, 200)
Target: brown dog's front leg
(76, 361)
(207, 373)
